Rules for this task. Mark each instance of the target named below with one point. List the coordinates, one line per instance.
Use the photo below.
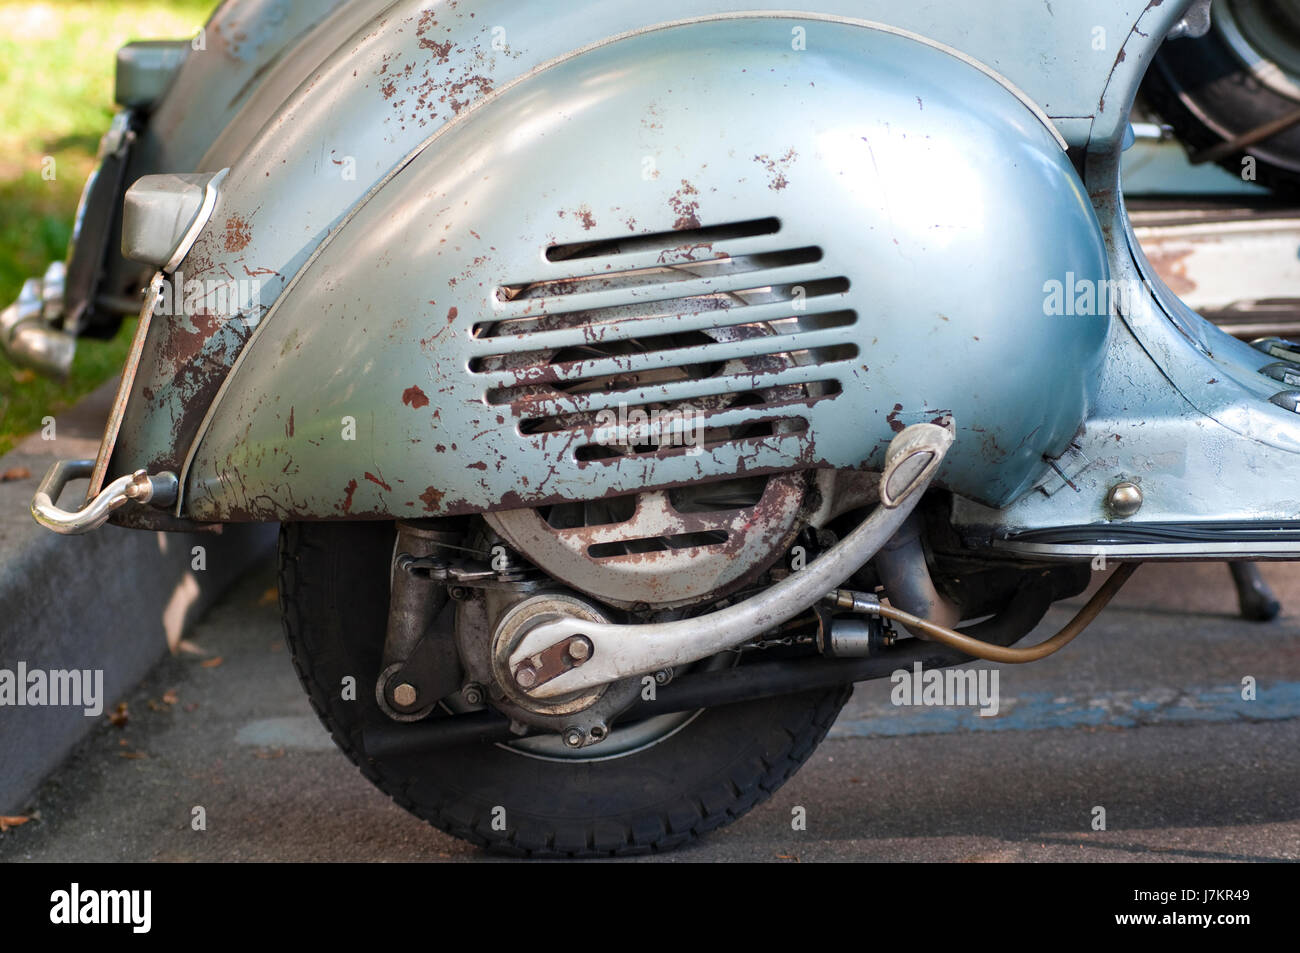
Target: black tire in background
(334, 604)
(1206, 91)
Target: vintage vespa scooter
(631, 379)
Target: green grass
(56, 100)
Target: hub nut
(405, 695)
(526, 676)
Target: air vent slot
(667, 241)
(599, 320)
(654, 544)
(714, 266)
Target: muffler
(27, 335)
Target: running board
(1159, 542)
(1234, 262)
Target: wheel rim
(1265, 37)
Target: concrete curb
(110, 601)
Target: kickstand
(1258, 604)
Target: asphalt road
(1142, 716)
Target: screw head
(663, 676)
(1124, 499)
(472, 694)
(573, 737)
(405, 695)
(526, 676)
(580, 649)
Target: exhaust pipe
(27, 336)
(907, 581)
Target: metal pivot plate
(523, 618)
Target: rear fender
(881, 178)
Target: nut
(580, 649)
(405, 695)
(1124, 499)
(526, 676)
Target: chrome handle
(139, 487)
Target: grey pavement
(111, 601)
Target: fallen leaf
(155, 705)
(170, 697)
(24, 376)
(192, 706)
(269, 598)
(9, 821)
(268, 754)
(212, 662)
(119, 715)
(15, 473)
(132, 755)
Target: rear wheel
(631, 794)
(1244, 73)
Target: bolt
(574, 737)
(472, 694)
(1124, 499)
(526, 676)
(459, 593)
(664, 676)
(580, 649)
(405, 695)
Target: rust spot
(432, 499)
(347, 496)
(441, 50)
(685, 207)
(289, 427)
(777, 168)
(238, 234)
(378, 482)
(895, 424)
(451, 315)
(1171, 266)
(414, 397)
(481, 465)
(584, 215)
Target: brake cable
(870, 605)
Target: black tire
(1208, 95)
(334, 602)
